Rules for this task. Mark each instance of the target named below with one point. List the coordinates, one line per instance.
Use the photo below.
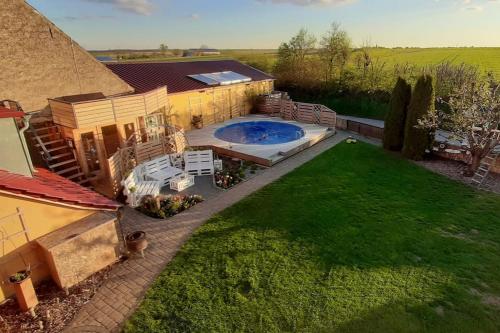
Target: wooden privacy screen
(302, 112)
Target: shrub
(396, 117)
(417, 139)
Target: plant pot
(25, 293)
(136, 242)
(198, 125)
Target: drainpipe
(26, 118)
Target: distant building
(201, 52)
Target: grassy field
(357, 240)
(487, 59)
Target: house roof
(8, 113)
(46, 185)
(145, 77)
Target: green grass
(355, 240)
(486, 59)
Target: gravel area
(454, 170)
(54, 310)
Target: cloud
(140, 7)
(194, 16)
(310, 2)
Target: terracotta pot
(136, 241)
(198, 125)
(25, 293)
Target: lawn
(355, 240)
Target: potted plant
(197, 121)
(136, 242)
(23, 286)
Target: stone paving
(120, 295)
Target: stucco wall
(11, 146)
(40, 219)
(41, 62)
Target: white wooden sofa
(161, 170)
(199, 163)
(149, 177)
(135, 187)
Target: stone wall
(38, 61)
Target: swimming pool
(260, 133)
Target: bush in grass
(417, 139)
(396, 117)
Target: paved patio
(120, 295)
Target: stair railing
(46, 154)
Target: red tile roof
(8, 113)
(145, 77)
(47, 185)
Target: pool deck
(266, 155)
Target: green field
(357, 240)
(487, 59)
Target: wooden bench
(135, 187)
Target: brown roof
(145, 77)
(82, 97)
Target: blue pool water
(260, 133)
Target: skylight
(220, 78)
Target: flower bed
(234, 172)
(164, 206)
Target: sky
(264, 24)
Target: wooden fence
(301, 112)
(125, 159)
(281, 105)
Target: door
(90, 151)
(130, 138)
(111, 139)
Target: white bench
(199, 163)
(161, 170)
(135, 187)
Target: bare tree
(473, 115)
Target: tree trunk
(475, 163)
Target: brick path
(119, 296)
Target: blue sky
(105, 24)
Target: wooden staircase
(55, 151)
(479, 178)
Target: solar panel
(220, 78)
